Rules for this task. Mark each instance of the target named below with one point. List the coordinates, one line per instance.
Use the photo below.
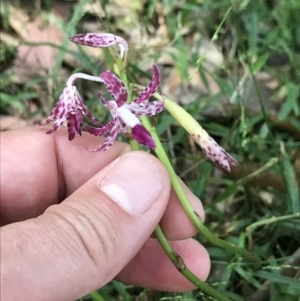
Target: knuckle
(90, 231)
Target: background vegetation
(233, 64)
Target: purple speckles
(151, 88)
(219, 156)
(70, 107)
(115, 87)
(150, 109)
(126, 115)
(213, 151)
(100, 40)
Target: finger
(38, 170)
(151, 268)
(84, 242)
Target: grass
(257, 206)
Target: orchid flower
(71, 108)
(126, 115)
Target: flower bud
(209, 146)
(101, 40)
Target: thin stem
(180, 265)
(252, 175)
(134, 145)
(215, 37)
(267, 221)
(176, 259)
(75, 76)
(193, 216)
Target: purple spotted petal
(74, 123)
(99, 40)
(59, 108)
(113, 108)
(90, 116)
(111, 137)
(150, 109)
(115, 87)
(151, 88)
(59, 113)
(70, 107)
(142, 135)
(77, 105)
(215, 152)
(101, 131)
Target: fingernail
(134, 182)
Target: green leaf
(199, 190)
(16, 101)
(278, 278)
(182, 59)
(96, 296)
(291, 185)
(229, 191)
(259, 63)
(291, 103)
(165, 123)
(292, 98)
(121, 288)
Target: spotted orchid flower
(126, 115)
(71, 108)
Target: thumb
(83, 243)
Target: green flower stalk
(188, 208)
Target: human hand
(74, 220)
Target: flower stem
(180, 265)
(176, 259)
(134, 145)
(193, 216)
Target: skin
(63, 237)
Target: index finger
(38, 170)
